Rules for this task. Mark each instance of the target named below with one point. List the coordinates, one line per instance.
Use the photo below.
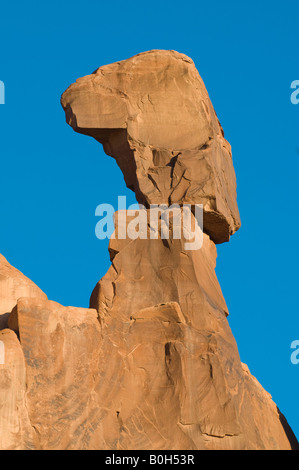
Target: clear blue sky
(51, 179)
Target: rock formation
(152, 113)
(152, 364)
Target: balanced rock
(175, 379)
(152, 364)
(153, 114)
